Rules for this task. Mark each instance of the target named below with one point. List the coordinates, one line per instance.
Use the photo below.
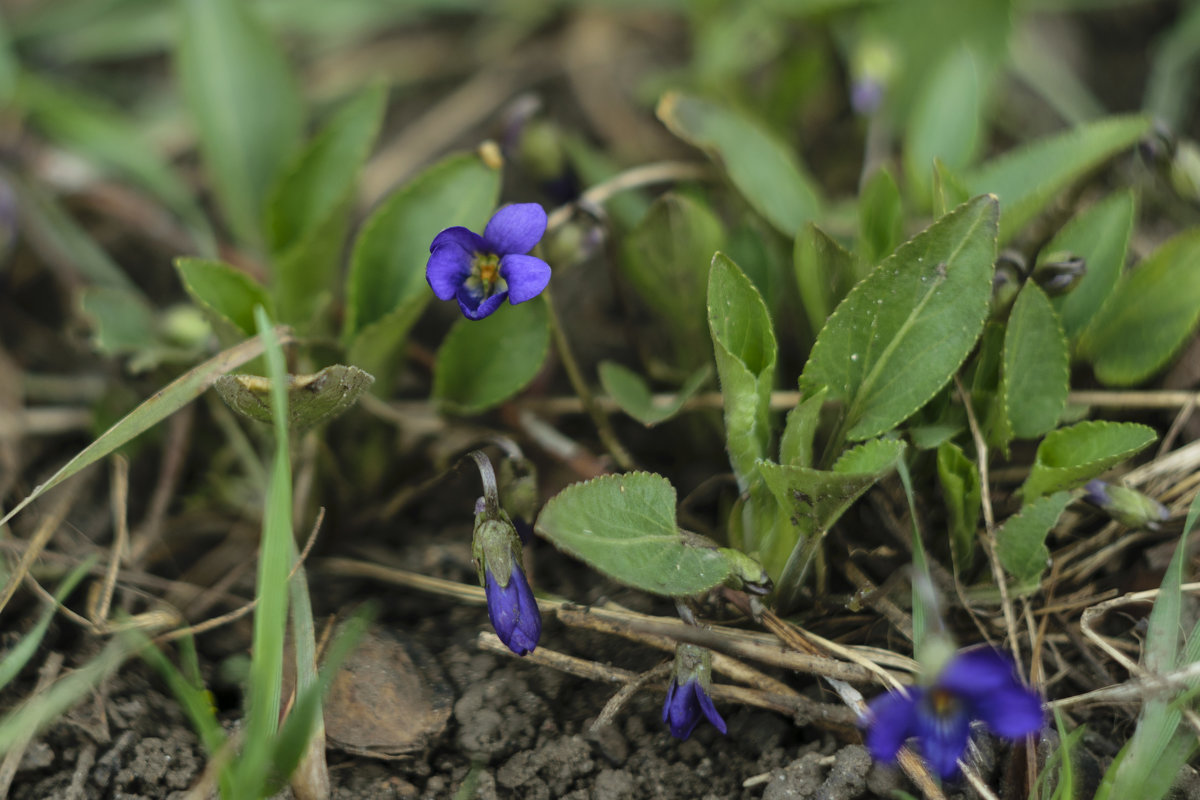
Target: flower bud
(1059, 273)
(688, 694)
(1128, 506)
(512, 608)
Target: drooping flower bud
(496, 549)
(1128, 506)
(688, 695)
(1059, 273)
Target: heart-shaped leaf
(624, 526)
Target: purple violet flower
(976, 684)
(480, 271)
(513, 611)
(687, 695)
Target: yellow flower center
(485, 274)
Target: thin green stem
(603, 426)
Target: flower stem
(603, 426)
(487, 476)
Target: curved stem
(603, 426)
(487, 476)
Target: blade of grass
(312, 773)
(42, 709)
(155, 409)
(274, 563)
(19, 656)
(306, 714)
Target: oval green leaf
(903, 331)
(944, 123)
(484, 362)
(311, 399)
(745, 349)
(1149, 316)
(1021, 541)
(224, 290)
(1028, 178)
(1069, 457)
(629, 391)
(764, 169)
(1100, 236)
(1036, 365)
(624, 526)
(244, 101)
(387, 266)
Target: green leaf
(1036, 365)
(745, 349)
(387, 267)
(276, 550)
(484, 362)
(926, 305)
(123, 322)
(244, 101)
(309, 208)
(666, 259)
(1070, 457)
(1170, 86)
(1150, 314)
(1028, 178)
(18, 655)
(1158, 747)
(963, 496)
(796, 444)
(1100, 236)
(29, 718)
(880, 218)
(629, 391)
(312, 399)
(159, 406)
(57, 238)
(949, 191)
(84, 124)
(375, 347)
(763, 169)
(224, 290)
(1021, 541)
(324, 172)
(824, 271)
(944, 123)
(624, 526)
(813, 500)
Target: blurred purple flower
(513, 611)
(480, 271)
(976, 684)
